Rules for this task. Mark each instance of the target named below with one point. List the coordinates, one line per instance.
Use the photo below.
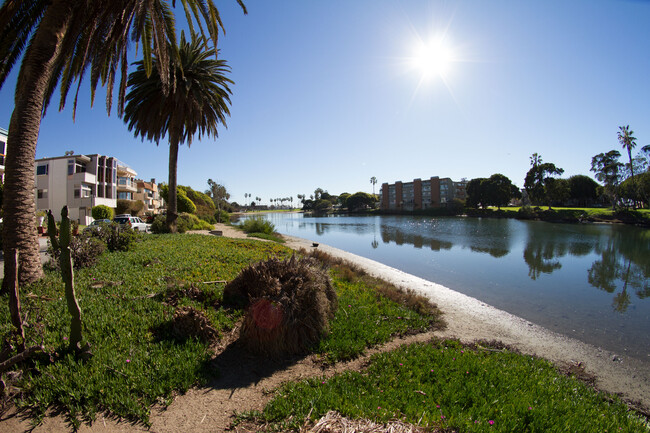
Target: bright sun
(432, 59)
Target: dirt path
(246, 380)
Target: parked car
(134, 222)
(95, 225)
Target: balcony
(84, 177)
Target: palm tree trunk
(19, 229)
(172, 209)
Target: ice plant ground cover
(451, 387)
(128, 301)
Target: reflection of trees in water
(400, 237)
(539, 258)
(494, 252)
(544, 246)
(624, 262)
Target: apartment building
(421, 194)
(80, 182)
(147, 192)
(3, 149)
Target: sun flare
(432, 59)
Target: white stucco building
(80, 182)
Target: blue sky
(326, 95)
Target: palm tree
(197, 101)
(58, 41)
(373, 181)
(628, 142)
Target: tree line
(623, 184)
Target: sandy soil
(246, 381)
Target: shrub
(184, 204)
(221, 216)
(115, 237)
(102, 212)
(289, 302)
(258, 225)
(187, 221)
(526, 212)
(131, 207)
(158, 224)
(85, 249)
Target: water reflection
(590, 282)
(624, 263)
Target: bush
(289, 303)
(85, 250)
(221, 216)
(184, 222)
(526, 212)
(115, 237)
(192, 222)
(158, 224)
(131, 207)
(102, 212)
(258, 225)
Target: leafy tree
(583, 190)
(360, 200)
(557, 191)
(198, 101)
(343, 198)
(218, 194)
(537, 178)
(58, 41)
(499, 190)
(475, 191)
(102, 212)
(607, 169)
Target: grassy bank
(139, 358)
(446, 386)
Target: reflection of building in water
(421, 194)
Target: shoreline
(469, 319)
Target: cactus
(65, 260)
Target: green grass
(269, 237)
(127, 302)
(447, 385)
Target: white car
(134, 222)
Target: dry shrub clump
(333, 422)
(289, 305)
(190, 322)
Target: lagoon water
(587, 281)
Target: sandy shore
(248, 380)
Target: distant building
(421, 194)
(147, 192)
(3, 149)
(80, 182)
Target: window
(100, 191)
(2, 147)
(70, 167)
(77, 193)
(42, 169)
(41, 193)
